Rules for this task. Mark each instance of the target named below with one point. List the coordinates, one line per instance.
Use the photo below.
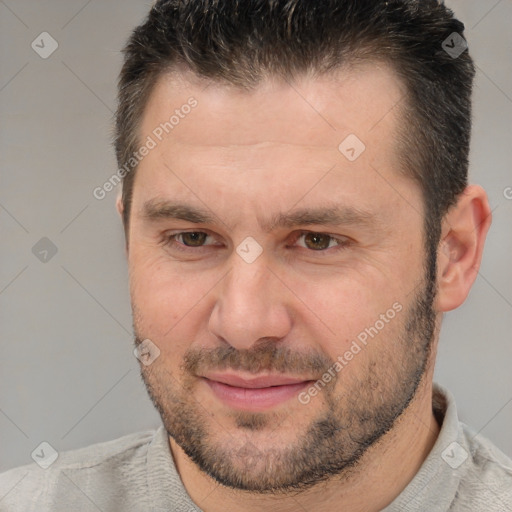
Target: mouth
(255, 393)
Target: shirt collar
(435, 484)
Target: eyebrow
(333, 215)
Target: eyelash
(342, 242)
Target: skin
(246, 156)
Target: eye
(187, 240)
(320, 242)
(191, 241)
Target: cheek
(343, 305)
(164, 295)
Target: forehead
(246, 151)
(310, 110)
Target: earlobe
(464, 230)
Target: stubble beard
(354, 417)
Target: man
(297, 220)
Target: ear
(120, 210)
(119, 204)
(463, 233)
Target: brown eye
(317, 241)
(193, 238)
(190, 242)
(321, 243)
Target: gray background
(67, 372)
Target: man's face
(248, 340)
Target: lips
(255, 382)
(254, 393)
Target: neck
(381, 475)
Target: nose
(252, 304)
